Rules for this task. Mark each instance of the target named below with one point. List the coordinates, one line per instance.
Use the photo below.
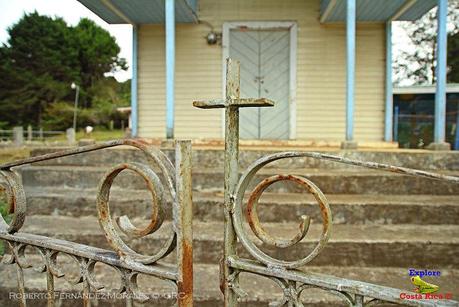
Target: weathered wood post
(71, 139)
(29, 133)
(232, 103)
(18, 136)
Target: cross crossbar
(239, 102)
(233, 90)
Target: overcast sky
(71, 10)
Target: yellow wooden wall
(320, 72)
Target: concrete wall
(320, 72)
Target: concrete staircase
(384, 223)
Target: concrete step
(350, 245)
(261, 291)
(420, 159)
(283, 207)
(211, 179)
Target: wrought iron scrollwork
(173, 181)
(156, 189)
(284, 273)
(252, 215)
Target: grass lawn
(12, 154)
(101, 135)
(98, 135)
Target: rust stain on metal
(254, 222)
(185, 295)
(103, 214)
(12, 207)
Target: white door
(265, 71)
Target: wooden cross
(232, 103)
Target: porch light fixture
(213, 37)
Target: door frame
(265, 25)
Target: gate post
(184, 221)
(231, 176)
(232, 103)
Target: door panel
(275, 72)
(244, 46)
(264, 57)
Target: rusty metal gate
(176, 181)
(284, 273)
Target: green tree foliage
(42, 58)
(36, 65)
(416, 62)
(97, 55)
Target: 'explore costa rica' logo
(424, 290)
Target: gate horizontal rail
(172, 179)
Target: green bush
(59, 115)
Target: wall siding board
(320, 72)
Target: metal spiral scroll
(252, 215)
(156, 188)
(11, 183)
(16, 201)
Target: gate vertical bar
(231, 174)
(50, 287)
(86, 293)
(20, 280)
(184, 220)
